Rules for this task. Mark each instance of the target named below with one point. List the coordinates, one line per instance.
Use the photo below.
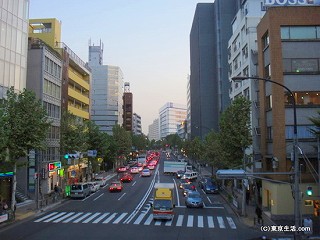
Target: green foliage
(122, 139)
(23, 125)
(139, 141)
(174, 140)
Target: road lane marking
(55, 217)
(158, 223)
(101, 217)
(149, 220)
(231, 223)
(120, 218)
(190, 221)
(179, 221)
(121, 196)
(210, 222)
(110, 218)
(134, 183)
(82, 217)
(98, 197)
(139, 219)
(63, 217)
(92, 217)
(45, 217)
(169, 222)
(73, 217)
(200, 221)
(221, 222)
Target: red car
(126, 177)
(121, 169)
(115, 186)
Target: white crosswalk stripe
(189, 221)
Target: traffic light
(66, 156)
(309, 191)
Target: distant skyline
(147, 39)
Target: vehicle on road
(179, 173)
(101, 180)
(121, 169)
(94, 186)
(145, 172)
(115, 186)
(187, 188)
(126, 177)
(208, 185)
(194, 199)
(171, 167)
(163, 201)
(134, 170)
(182, 182)
(79, 190)
(192, 176)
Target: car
(210, 187)
(151, 166)
(115, 186)
(192, 176)
(121, 169)
(146, 172)
(179, 173)
(182, 182)
(79, 190)
(134, 170)
(194, 199)
(102, 181)
(188, 188)
(127, 177)
(203, 180)
(94, 186)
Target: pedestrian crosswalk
(221, 222)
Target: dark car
(194, 199)
(182, 182)
(188, 188)
(210, 187)
(203, 180)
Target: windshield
(162, 205)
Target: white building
(13, 45)
(154, 130)
(136, 123)
(170, 115)
(107, 91)
(243, 60)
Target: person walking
(259, 214)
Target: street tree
(235, 132)
(123, 141)
(24, 126)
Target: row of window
(54, 132)
(300, 32)
(52, 68)
(303, 132)
(52, 110)
(301, 65)
(52, 89)
(301, 98)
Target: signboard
(3, 217)
(92, 153)
(292, 2)
(54, 166)
(231, 173)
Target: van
(192, 176)
(80, 190)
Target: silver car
(194, 199)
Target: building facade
(154, 130)
(107, 91)
(170, 115)
(209, 84)
(76, 74)
(289, 54)
(127, 108)
(136, 123)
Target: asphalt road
(127, 215)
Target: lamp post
(295, 157)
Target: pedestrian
(259, 214)
(247, 197)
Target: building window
(269, 133)
(267, 71)
(301, 65)
(303, 132)
(245, 52)
(303, 98)
(269, 102)
(300, 32)
(265, 41)
(246, 71)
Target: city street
(127, 215)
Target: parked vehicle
(94, 186)
(102, 181)
(194, 199)
(80, 190)
(163, 201)
(115, 186)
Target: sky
(147, 39)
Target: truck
(171, 167)
(163, 201)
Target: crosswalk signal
(309, 191)
(66, 156)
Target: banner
(292, 2)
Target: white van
(80, 190)
(190, 175)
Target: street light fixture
(295, 144)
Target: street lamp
(295, 144)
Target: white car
(146, 172)
(94, 186)
(102, 181)
(134, 170)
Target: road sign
(231, 173)
(92, 153)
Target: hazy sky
(147, 39)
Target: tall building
(107, 91)
(243, 60)
(136, 123)
(76, 74)
(209, 84)
(127, 108)
(13, 45)
(13, 64)
(170, 115)
(154, 130)
(44, 77)
(289, 54)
